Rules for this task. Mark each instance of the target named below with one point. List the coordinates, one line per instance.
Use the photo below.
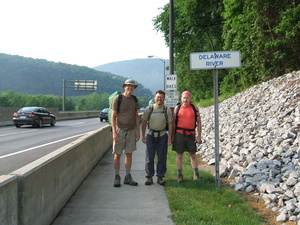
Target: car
(35, 116)
(103, 115)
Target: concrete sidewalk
(98, 202)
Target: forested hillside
(41, 77)
(267, 34)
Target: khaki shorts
(184, 143)
(126, 143)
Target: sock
(179, 171)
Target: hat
(186, 93)
(129, 81)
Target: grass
(211, 101)
(202, 202)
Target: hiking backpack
(176, 121)
(166, 116)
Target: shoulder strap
(119, 102)
(166, 113)
(135, 98)
(196, 113)
(178, 108)
(150, 111)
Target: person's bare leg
(117, 182)
(128, 178)
(179, 167)
(128, 161)
(117, 162)
(194, 164)
(179, 161)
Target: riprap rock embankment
(259, 142)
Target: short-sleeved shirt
(157, 120)
(186, 119)
(127, 112)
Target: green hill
(39, 76)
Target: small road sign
(171, 82)
(171, 99)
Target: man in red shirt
(187, 119)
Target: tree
(197, 28)
(267, 33)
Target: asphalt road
(20, 146)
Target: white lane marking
(2, 135)
(71, 124)
(50, 143)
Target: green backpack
(110, 100)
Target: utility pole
(171, 40)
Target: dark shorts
(184, 143)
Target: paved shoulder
(98, 202)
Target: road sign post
(215, 61)
(79, 85)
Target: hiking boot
(128, 180)
(160, 181)
(180, 178)
(149, 181)
(196, 176)
(117, 182)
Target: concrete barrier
(42, 188)
(8, 199)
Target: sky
(81, 32)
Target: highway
(21, 146)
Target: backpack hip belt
(184, 130)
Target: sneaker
(128, 180)
(117, 182)
(196, 176)
(149, 181)
(160, 181)
(180, 178)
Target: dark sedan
(103, 115)
(35, 116)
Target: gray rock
(281, 218)
(259, 142)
